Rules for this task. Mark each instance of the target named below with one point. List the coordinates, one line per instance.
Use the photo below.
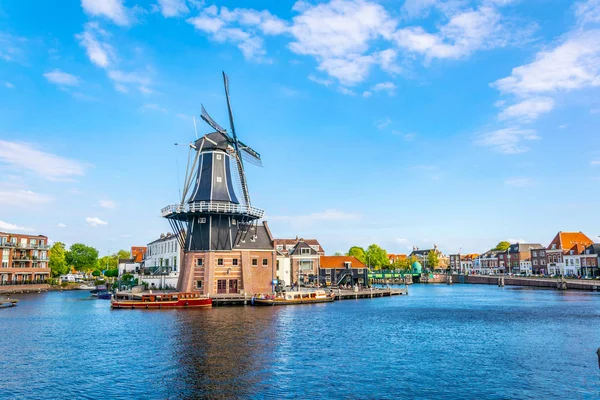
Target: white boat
(85, 286)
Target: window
(542, 262)
(328, 271)
(542, 253)
(359, 271)
(265, 262)
(219, 261)
(218, 156)
(254, 262)
(222, 286)
(175, 263)
(199, 262)
(198, 284)
(535, 262)
(201, 220)
(219, 179)
(534, 253)
(277, 265)
(304, 251)
(234, 261)
(279, 247)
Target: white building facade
(164, 252)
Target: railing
(212, 207)
(38, 282)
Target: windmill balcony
(212, 207)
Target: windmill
(209, 213)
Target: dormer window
(347, 264)
(304, 251)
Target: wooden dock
(242, 300)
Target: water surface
(443, 342)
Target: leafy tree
(82, 257)
(432, 260)
(123, 254)
(107, 262)
(126, 277)
(337, 253)
(96, 273)
(502, 246)
(112, 273)
(58, 262)
(359, 253)
(377, 257)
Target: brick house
(298, 260)
(25, 258)
(517, 258)
(248, 268)
(589, 260)
(563, 254)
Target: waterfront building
(589, 261)
(422, 255)
(226, 249)
(342, 270)
(454, 262)
(510, 261)
(563, 254)
(24, 258)
(138, 253)
(163, 255)
(487, 263)
(468, 263)
(298, 260)
(396, 257)
(539, 262)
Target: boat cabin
(169, 297)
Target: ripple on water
(443, 342)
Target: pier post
(501, 281)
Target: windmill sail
(208, 119)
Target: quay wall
(535, 282)
(43, 287)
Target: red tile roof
(337, 262)
(566, 241)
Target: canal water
(440, 342)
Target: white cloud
(324, 82)
(507, 140)
(367, 94)
(339, 33)
(405, 136)
(24, 156)
(346, 91)
(22, 198)
(61, 225)
(95, 221)
(528, 109)
(464, 33)
(519, 182)
(388, 87)
(62, 78)
(152, 107)
(8, 227)
(9, 85)
(111, 9)
(98, 51)
(417, 8)
(172, 8)
(383, 123)
(595, 162)
(122, 79)
(588, 11)
(11, 47)
(573, 64)
(240, 27)
(107, 203)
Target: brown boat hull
(159, 305)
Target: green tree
(82, 257)
(107, 262)
(432, 260)
(123, 254)
(112, 273)
(359, 253)
(96, 273)
(58, 262)
(337, 253)
(377, 257)
(502, 246)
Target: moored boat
(9, 300)
(292, 298)
(164, 300)
(104, 295)
(7, 304)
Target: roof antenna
(195, 130)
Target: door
(233, 286)
(222, 286)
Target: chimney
(162, 235)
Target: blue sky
(459, 123)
